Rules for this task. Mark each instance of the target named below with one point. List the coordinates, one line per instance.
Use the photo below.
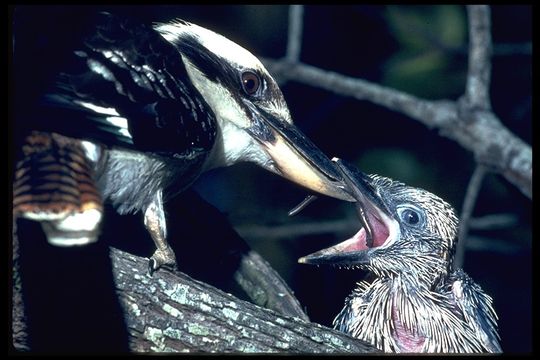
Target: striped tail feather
(54, 184)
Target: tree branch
(294, 40)
(493, 221)
(480, 132)
(468, 121)
(170, 312)
(494, 245)
(468, 206)
(478, 77)
(265, 287)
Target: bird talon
(162, 259)
(152, 266)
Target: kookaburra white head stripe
(213, 42)
(231, 54)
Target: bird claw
(162, 259)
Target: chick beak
(378, 226)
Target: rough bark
(171, 312)
(265, 287)
(19, 334)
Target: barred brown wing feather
(54, 183)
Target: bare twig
(478, 131)
(348, 86)
(482, 132)
(294, 40)
(493, 245)
(478, 77)
(493, 221)
(476, 97)
(468, 206)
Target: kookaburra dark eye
(410, 216)
(250, 82)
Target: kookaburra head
(254, 121)
(406, 231)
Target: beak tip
(310, 259)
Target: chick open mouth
(378, 228)
(373, 233)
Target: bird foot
(162, 258)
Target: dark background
(418, 49)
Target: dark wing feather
(476, 310)
(129, 69)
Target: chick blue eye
(411, 216)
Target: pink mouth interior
(358, 242)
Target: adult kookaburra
(135, 113)
(415, 301)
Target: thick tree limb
(230, 254)
(172, 312)
(265, 287)
(166, 312)
(76, 297)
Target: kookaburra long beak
(296, 158)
